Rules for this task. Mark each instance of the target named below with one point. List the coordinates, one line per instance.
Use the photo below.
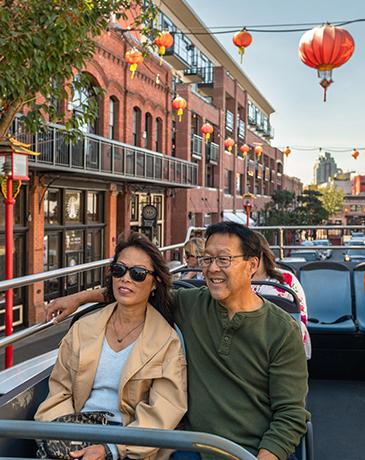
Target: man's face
(228, 285)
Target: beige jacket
(152, 391)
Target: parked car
(309, 255)
(326, 253)
(354, 255)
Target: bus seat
(327, 286)
(359, 287)
(305, 450)
(287, 267)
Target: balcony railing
(101, 156)
(196, 146)
(212, 153)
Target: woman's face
(191, 257)
(126, 290)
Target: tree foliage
(332, 199)
(44, 43)
(285, 209)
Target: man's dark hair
(161, 299)
(250, 242)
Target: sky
(301, 118)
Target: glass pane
(73, 241)
(19, 210)
(73, 210)
(52, 261)
(93, 252)
(52, 209)
(18, 261)
(94, 207)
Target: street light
(13, 169)
(247, 206)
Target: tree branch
(8, 117)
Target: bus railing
(61, 272)
(168, 439)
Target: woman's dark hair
(161, 299)
(250, 243)
(269, 259)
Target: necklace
(120, 340)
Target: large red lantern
(179, 104)
(244, 149)
(258, 150)
(242, 40)
(229, 144)
(355, 154)
(325, 48)
(287, 151)
(207, 130)
(133, 57)
(163, 40)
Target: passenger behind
(126, 358)
(269, 271)
(193, 249)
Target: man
(246, 362)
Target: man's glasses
(221, 261)
(139, 274)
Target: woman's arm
(62, 307)
(59, 400)
(167, 401)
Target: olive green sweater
(247, 376)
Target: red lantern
(258, 150)
(207, 130)
(244, 149)
(133, 57)
(287, 151)
(229, 144)
(163, 40)
(355, 154)
(179, 104)
(325, 48)
(242, 40)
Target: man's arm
(288, 389)
(60, 308)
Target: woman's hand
(95, 452)
(60, 308)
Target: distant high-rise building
(324, 168)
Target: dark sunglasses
(139, 274)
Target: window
(229, 121)
(239, 184)
(136, 126)
(72, 207)
(94, 207)
(227, 182)
(148, 131)
(51, 261)
(112, 117)
(158, 135)
(52, 208)
(84, 96)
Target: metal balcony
(212, 153)
(206, 87)
(194, 74)
(98, 156)
(196, 146)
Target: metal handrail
(168, 439)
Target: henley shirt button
(226, 338)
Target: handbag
(60, 449)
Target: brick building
(81, 196)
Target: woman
(269, 271)
(126, 358)
(193, 249)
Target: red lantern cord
(325, 48)
(207, 130)
(179, 104)
(229, 144)
(355, 154)
(242, 40)
(244, 149)
(163, 40)
(133, 57)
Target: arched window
(158, 135)
(84, 97)
(113, 107)
(136, 126)
(148, 131)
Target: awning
(239, 218)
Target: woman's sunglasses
(138, 274)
